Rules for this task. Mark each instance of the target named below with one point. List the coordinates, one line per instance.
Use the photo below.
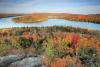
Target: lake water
(8, 23)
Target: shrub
(50, 50)
(59, 62)
(63, 48)
(14, 42)
(4, 48)
(38, 45)
(26, 42)
(88, 56)
(75, 38)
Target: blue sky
(67, 6)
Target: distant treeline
(19, 31)
(63, 29)
(10, 15)
(83, 18)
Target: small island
(30, 18)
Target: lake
(8, 23)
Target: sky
(50, 6)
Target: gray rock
(27, 62)
(41, 66)
(6, 60)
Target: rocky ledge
(20, 61)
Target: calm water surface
(8, 23)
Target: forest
(58, 46)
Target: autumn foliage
(58, 47)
